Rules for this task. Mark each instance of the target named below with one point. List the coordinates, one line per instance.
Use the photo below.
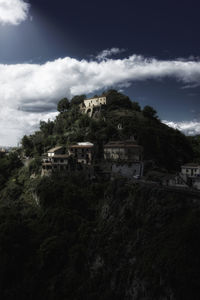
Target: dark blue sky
(164, 30)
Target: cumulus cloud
(14, 124)
(35, 89)
(187, 127)
(108, 52)
(13, 11)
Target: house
(2, 152)
(59, 162)
(125, 158)
(82, 152)
(55, 151)
(191, 174)
(89, 105)
(56, 160)
(98, 101)
(191, 170)
(127, 151)
(174, 180)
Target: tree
(47, 127)
(27, 145)
(78, 99)
(117, 99)
(149, 112)
(136, 106)
(63, 105)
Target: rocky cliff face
(146, 244)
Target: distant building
(56, 160)
(55, 151)
(127, 151)
(82, 152)
(191, 170)
(191, 174)
(125, 158)
(175, 180)
(2, 152)
(89, 105)
(98, 101)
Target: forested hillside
(65, 236)
(108, 240)
(166, 147)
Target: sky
(149, 50)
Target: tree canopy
(63, 105)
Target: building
(98, 101)
(82, 152)
(125, 158)
(2, 152)
(56, 160)
(55, 151)
(89, 105)
(127, 151)
(56, 163)
(191, 174)
(191, 170)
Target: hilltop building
(191, 174)
(55, 151)
(58, 160)
(92, 104)
(191, 170)
(2, 152)
(82, 152)
(120, 158)
(125, 158)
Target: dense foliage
(9, 164)
(68, 237)
(165, 146)
(98, 241)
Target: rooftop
(95, 98)
(61, 156)
(122, 144)
(52, 150)
(81, 146)
(191, 165)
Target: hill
(66, 236)
(118, 120)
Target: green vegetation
(165, 147)
(68, 237)
(195, 142)
(98, 240)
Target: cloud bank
(13, 11)
(187, 127)
(33, 90)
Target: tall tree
(63, 105)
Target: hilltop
(119, 119)
(67, 236)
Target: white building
(89, 104)
(191, 174)
(191, 170)
(95, 102)
(55, 151)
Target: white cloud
(187, 127)
(34, 88)
(13, 11)
(108, 52)
(14, 124)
